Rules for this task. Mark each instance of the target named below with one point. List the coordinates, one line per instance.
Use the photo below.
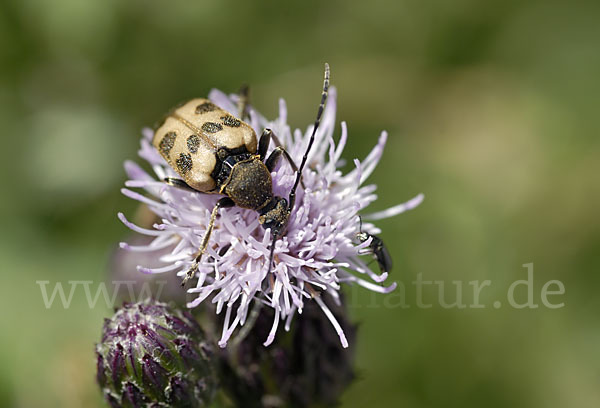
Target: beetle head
(275, 215)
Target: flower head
(153, 353)
(305, 367)
(315, 255)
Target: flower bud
(155, 355)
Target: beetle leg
(179, 183)
(286, 154)
(274, 158)
(224, 202)
(267, 133)
(264, 145)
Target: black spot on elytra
(166, 143)
(205, 107)
(211, 127)
(230, 121)
(193, 142)
(184, 163)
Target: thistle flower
(128, 284)
(154, 355)
(305, 367)
(317, 253)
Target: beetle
(376, 248)
(216, 153)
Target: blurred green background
(492, 110)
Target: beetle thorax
(249, 184)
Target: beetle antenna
(292, 197)
(272, 252)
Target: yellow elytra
(191, 135)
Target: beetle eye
(269, 222)
(270, 225)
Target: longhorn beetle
(216, 153)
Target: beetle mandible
(216, 153)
